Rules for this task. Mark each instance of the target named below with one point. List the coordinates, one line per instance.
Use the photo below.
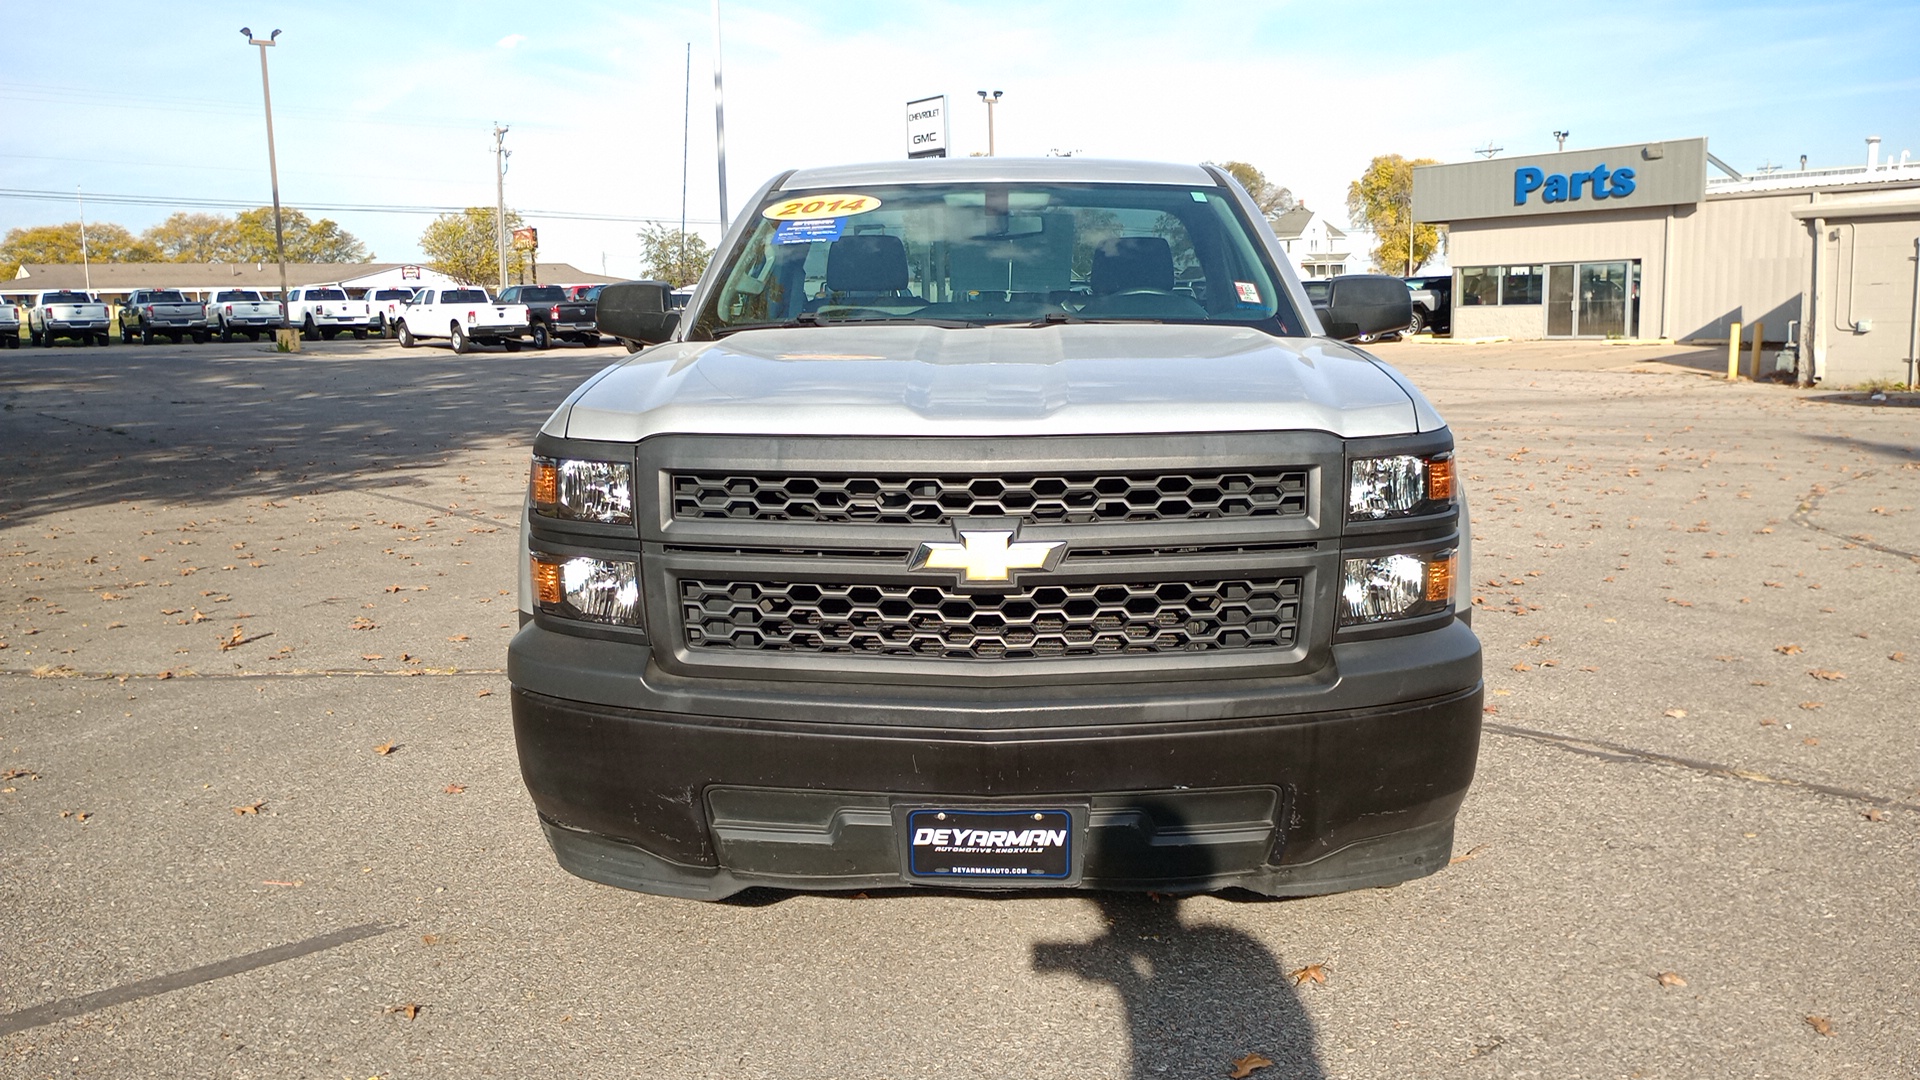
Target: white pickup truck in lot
(465, 315)
(241, 311)
(9, 325)
(321, 311)
(68, 313)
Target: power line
(182, 202)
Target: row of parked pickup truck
(539, 315)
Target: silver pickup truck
(996, 523)
(68, 313)
(9, 325)
(151, 313)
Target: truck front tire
(407, 340)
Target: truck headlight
(1385, 587)
(593, 590)
(582, 490)
(1398, 486)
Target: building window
(1488, 285)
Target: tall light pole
(1560, 137)
(501, 154)
(273, 167)
(991, 102)
(719, 118)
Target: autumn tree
(307, 240)
(1381, 201)
(1272, 199)
(186, 237)
(106, 242)
(674, 256)
(464, 247)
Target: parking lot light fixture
(273, 167)
(990, 103)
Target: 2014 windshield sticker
(1249, 292)
(813, 207)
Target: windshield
(980, 253)
(464, 296)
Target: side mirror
(637, 311)
(1363, 305)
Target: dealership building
(1639, 241)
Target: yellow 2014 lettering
(814, 207)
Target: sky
(393, 105)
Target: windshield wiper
(1068, 318)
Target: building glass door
(1596, 299)
(1560, 301)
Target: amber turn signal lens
(1440, 479)
(545, 483)
(1440, 580)
(546, 582)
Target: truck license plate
(977, 846)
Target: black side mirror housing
(637, 312)
(1365, 305)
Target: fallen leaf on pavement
(285, 884)
(1873, 814)
(1812, 705)
(1898, 658)
(1310, 973)
(1243, 1066)
(459, 637)
(233, 639)
(1821, 1024)
(250, 808)
(1670, 978)
(454, 789)
(1827, 676)
(1471, 853)
(386, 748)
(372, 656)
(1786, 650)
(484, 693)
(361, 622)
(409, 1010)
(1677, 714)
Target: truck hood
(1056, 380)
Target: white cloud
(510, 41)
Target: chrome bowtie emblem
(986, 555)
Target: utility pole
(501, 154)
(273, 166)
(990, 102)
(86, 265)
(719, 116)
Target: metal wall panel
(1664, 174)
(1738, 259)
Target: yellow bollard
(1759, 332)
(1733, 353)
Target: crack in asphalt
(1810, 504)
(1611, 751)
(163, 984)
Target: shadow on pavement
(86, 427)
(1197, 997)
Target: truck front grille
(1070, 498)
(1041, 621)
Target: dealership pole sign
(927, 127)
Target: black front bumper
(1283, 787)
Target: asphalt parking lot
(262, 816)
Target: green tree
(185, 237)
(106, 242)
(463, 246)
(1382, 202)
(307, 240)
(674, 256)
(1272, 199)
